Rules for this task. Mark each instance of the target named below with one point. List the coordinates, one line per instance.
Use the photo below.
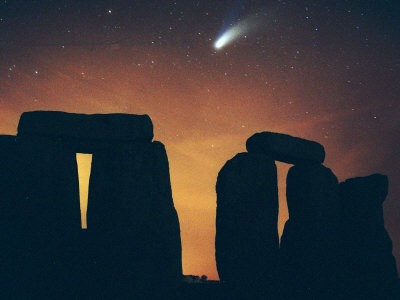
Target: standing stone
(10, 241)
(131, 219)
(311, 250)
(247, 242)
(167, 218)
(50, 217)
(286, 148)
(371, 265)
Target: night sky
(321, 70)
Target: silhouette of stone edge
(330, 241)
(46, 144)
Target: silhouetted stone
(131, 219)
(371, 265)
(38, 214)
(168, 222)
(86, 133)
(311, 250)
(133, 240)
(286, 148)
(8, 181)
(9, 230)
(246, 242)
(50, 217)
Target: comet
(229, 36)
(237, 31)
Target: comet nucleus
(227, 37)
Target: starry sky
(322, 70)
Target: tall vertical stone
(132, 223)
(311, 250)
(370, 262)
(49, 216)
(10, 232)
(246, 242)
(167, 218)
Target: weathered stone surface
(371, 265)
(87, 129)
(132, 222)
(286, 148)
(311, 251)
(246, 242)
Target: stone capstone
(286, 148)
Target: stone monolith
(371, 266)
(311, 250)
(132, 222)
(246, 242)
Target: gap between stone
(84, 162)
